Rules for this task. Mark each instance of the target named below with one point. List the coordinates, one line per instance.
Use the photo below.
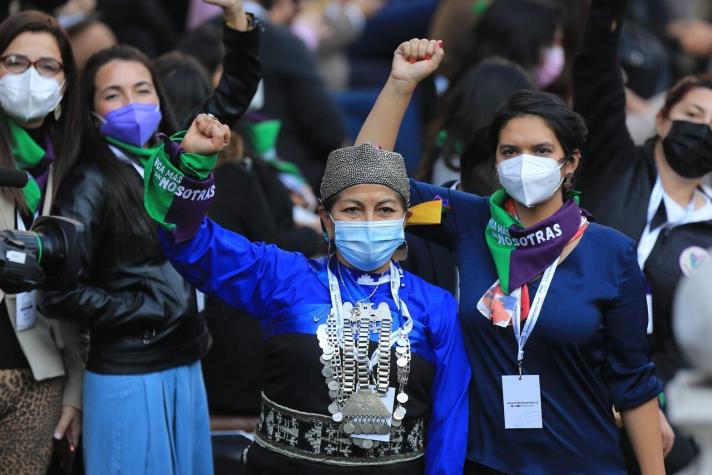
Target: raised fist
(416, 59)
(206, 136)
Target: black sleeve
(317, 118)
(81, 197)
(599, 95)
(238, 83)
(241, 206)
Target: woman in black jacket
(145, 403)
(653, 193)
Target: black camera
(45, 257)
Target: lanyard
(122, 156)
(522, 334)
(647, 240)
(337, 306)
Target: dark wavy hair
(469, 107)
(65, 132)
(125, 211)
(516, 30)
(678, 91)
(568, 126)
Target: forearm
(236, 18)
(383, 122)
(643, 427)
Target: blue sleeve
(254, 277)
(464, 211)
(446, 443)
(629, 373)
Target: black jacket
(141, 313)
(617, 177)
(295, 94)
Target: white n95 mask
(530, 179)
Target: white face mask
(530, 179)
(29, 95)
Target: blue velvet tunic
(289, 295)
(589, 347)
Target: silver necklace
(355, 382)
(341, 277)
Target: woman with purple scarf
(552, 305)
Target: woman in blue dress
(364, 364)
(552, 305)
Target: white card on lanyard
(25, 302)
(522, 402)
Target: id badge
(25, 306)
(522, 402)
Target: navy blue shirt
(589, 347)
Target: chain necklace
(358, 384)
(341, 277)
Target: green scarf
(28, 154)
(178, 190)
(521, 253)
(143, 155)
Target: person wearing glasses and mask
(40, 131)
(654, 193)
(364, 364)
(552, 305)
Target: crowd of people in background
(479, 167)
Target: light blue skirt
(155, 423)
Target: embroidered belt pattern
(318, 438)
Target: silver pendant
(326, 372)
(365, 403)
(338, 417)
(333, 385)
(333, 394)
(367, 444)
(402, 362)
(402, 398)
(333, 408)
(367, 428)
(399, 413)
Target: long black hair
(469, 107)
(66, 131)
(125, 211)
(516, 30)
(568, 126)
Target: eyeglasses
(18, 63)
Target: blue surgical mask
(368, 245)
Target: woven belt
(318, 438)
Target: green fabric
(28, 154)
(143, 155)
(441, 139)
(161, 171)
(501, 253)
(480, 6)
(263, 135)
(499, 219)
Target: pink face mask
(551, 66)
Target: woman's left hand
(668, 434)
(206, 136)
(69, 425)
